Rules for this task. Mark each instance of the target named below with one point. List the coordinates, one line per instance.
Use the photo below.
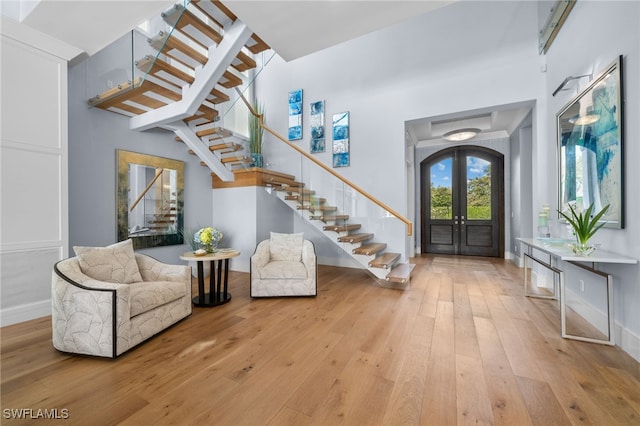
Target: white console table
(559, 250)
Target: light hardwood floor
(461, 345)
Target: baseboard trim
(26, 312)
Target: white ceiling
(292, 28)
(298, 28)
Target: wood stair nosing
(385, 260)
(369, 249)
(355, 238)
(401, 273)
(342, 228)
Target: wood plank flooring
(461, 345)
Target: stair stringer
(220, 59)
(363, 260)
(190, 138)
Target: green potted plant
(584, 226)
(256, 133)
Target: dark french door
(462, 202)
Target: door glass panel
(478, 189)
(441, 199)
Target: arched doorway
(462, 202)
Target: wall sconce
(568, 79)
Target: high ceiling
(292, 28)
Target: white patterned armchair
(107, 300)
(284, 265)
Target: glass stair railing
(366, 230)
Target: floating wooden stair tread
(219, 131)
(369, 249)
(157, 66)
(225, 148)
(322, 208)
(230, 80)
(217, 97)
(385, 260)
(290, 190)
(289, 183)
(243, 62)
(136, 93)
(215, 11)
(257, 45)
(355, 238)
(177, 49)
(206, 113)
(342, 228)
(302, 199)
(329, 217)
(401, 273)
(185, 21)
(235, 159)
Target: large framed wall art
(341, 139)
(295, 115)
(316, 122)
(590, 144)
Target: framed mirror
(150, 199)
(590, 144)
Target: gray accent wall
(94, 137)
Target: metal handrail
(374, 200)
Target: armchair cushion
(283, 269)
(286, 246)
(146, 296)
(115, 263)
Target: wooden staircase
(200, 60)
(384, 266)
(182, 54)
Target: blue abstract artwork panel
(295, 115)
(341, 139)
(316, 119)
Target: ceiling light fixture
(461, 134)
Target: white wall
(33, 173)
(424, 67)
(592, 37)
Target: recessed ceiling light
(461, 134)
